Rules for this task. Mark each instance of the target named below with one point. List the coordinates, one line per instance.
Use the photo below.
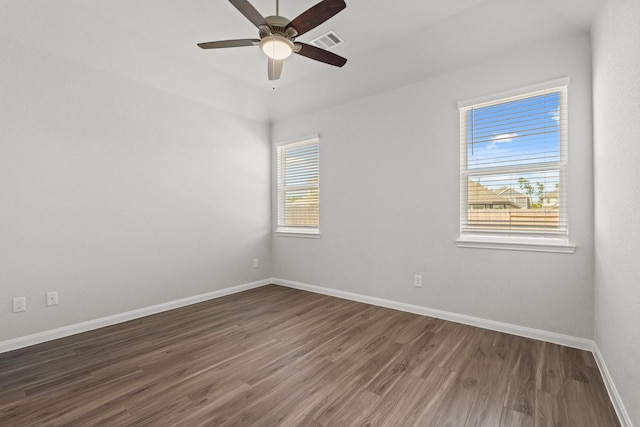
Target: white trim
(552, 337)
(502, 96)
(90, 325)
(512, 243)
(618, 405)
(310, 233)
(535, 167)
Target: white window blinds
(513, 165)
(298, 170)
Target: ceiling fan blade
(316, 15)
(321, 55)
(229, 43)
(274, 68)
(248, 11)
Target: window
(513, 171)
(298, 167)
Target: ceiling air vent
(328, 40)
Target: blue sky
(515, 133)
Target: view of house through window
(298, 166)
(513, 165)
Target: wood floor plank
(285, 357)
(294, 420)
(493, 376)
(551, 410)
(455, 408)
(399, 402)
(436, 386)
(549, 377)
(511, 418)
(522, 379)
(350, 408)
(394, 371)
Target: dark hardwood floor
(279, 356)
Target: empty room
(319, 213)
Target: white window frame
(509, 239)
(281, 229)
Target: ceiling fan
(278, 34)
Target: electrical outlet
(256, 264)
(19, 304)
(52, 298)
(417, 281)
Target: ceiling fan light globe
(277, 47)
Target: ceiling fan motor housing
(278, 25)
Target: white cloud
(505, 137)
(555, 114)
(500, 138)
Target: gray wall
(390, 200)
(118, 195)
(616, 83)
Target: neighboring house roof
(521, 199)
(553, 195)
(480, 195)
(512, 192)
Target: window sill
(309, 233)
(530, 244)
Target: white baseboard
(623, 415)
(552, 337)
(569, 341)
(90, 325)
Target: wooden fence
(514, 219)
(302, 214)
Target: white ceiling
(179, 25)
(388, 43)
